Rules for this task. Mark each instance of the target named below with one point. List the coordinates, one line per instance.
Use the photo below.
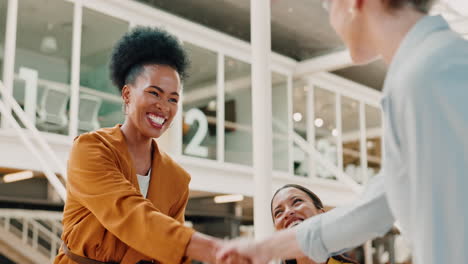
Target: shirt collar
(414, 37)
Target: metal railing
(327, 164)
(33, 233)
(44, 147)
(312, 151)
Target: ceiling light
(211, 106)
(335, 132)
(18, 176)
(49, 42)
(370, 144)
(297, 117)
(318, 122)
(230, 198)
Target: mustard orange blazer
(107, 219)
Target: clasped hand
(241, 251)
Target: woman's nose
(163, 106)
(289, 212)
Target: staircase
(30, 236)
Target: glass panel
(374, 140)
(301, 161)
(325, 128)
(300, 126)
(199, 104)
(280, 121)
(238, 112)
(300, 108)
(42, 62)
(351, 138)
(100, 101)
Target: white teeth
(157, 119)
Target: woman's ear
(126, 94)
(125, 97)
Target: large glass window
(280, 121)
(300, 115)
(351, 138)
(199, 104)
(100, 101)
(374, 139)
(238, 112)
(325, 128)
(42, 62)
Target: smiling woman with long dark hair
(126, 198)
(290, 206)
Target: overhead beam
(330, 62)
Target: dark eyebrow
(291, 199)
(294, 197)
(161, 90)
(274, 210)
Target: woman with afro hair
(126, 198)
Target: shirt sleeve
(346, 227)
(178, 210)
(179, 214)
(95, 181)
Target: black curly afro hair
(142, 46)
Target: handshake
(242, 251)
(281, 245)
(290, 205)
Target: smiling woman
(290, 206)
(126, 197)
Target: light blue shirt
(424, 180)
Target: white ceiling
(299, 28)
(37, 19)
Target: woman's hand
(243, 250)
(280, 245)
(206, 248)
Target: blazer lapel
(156, 185)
